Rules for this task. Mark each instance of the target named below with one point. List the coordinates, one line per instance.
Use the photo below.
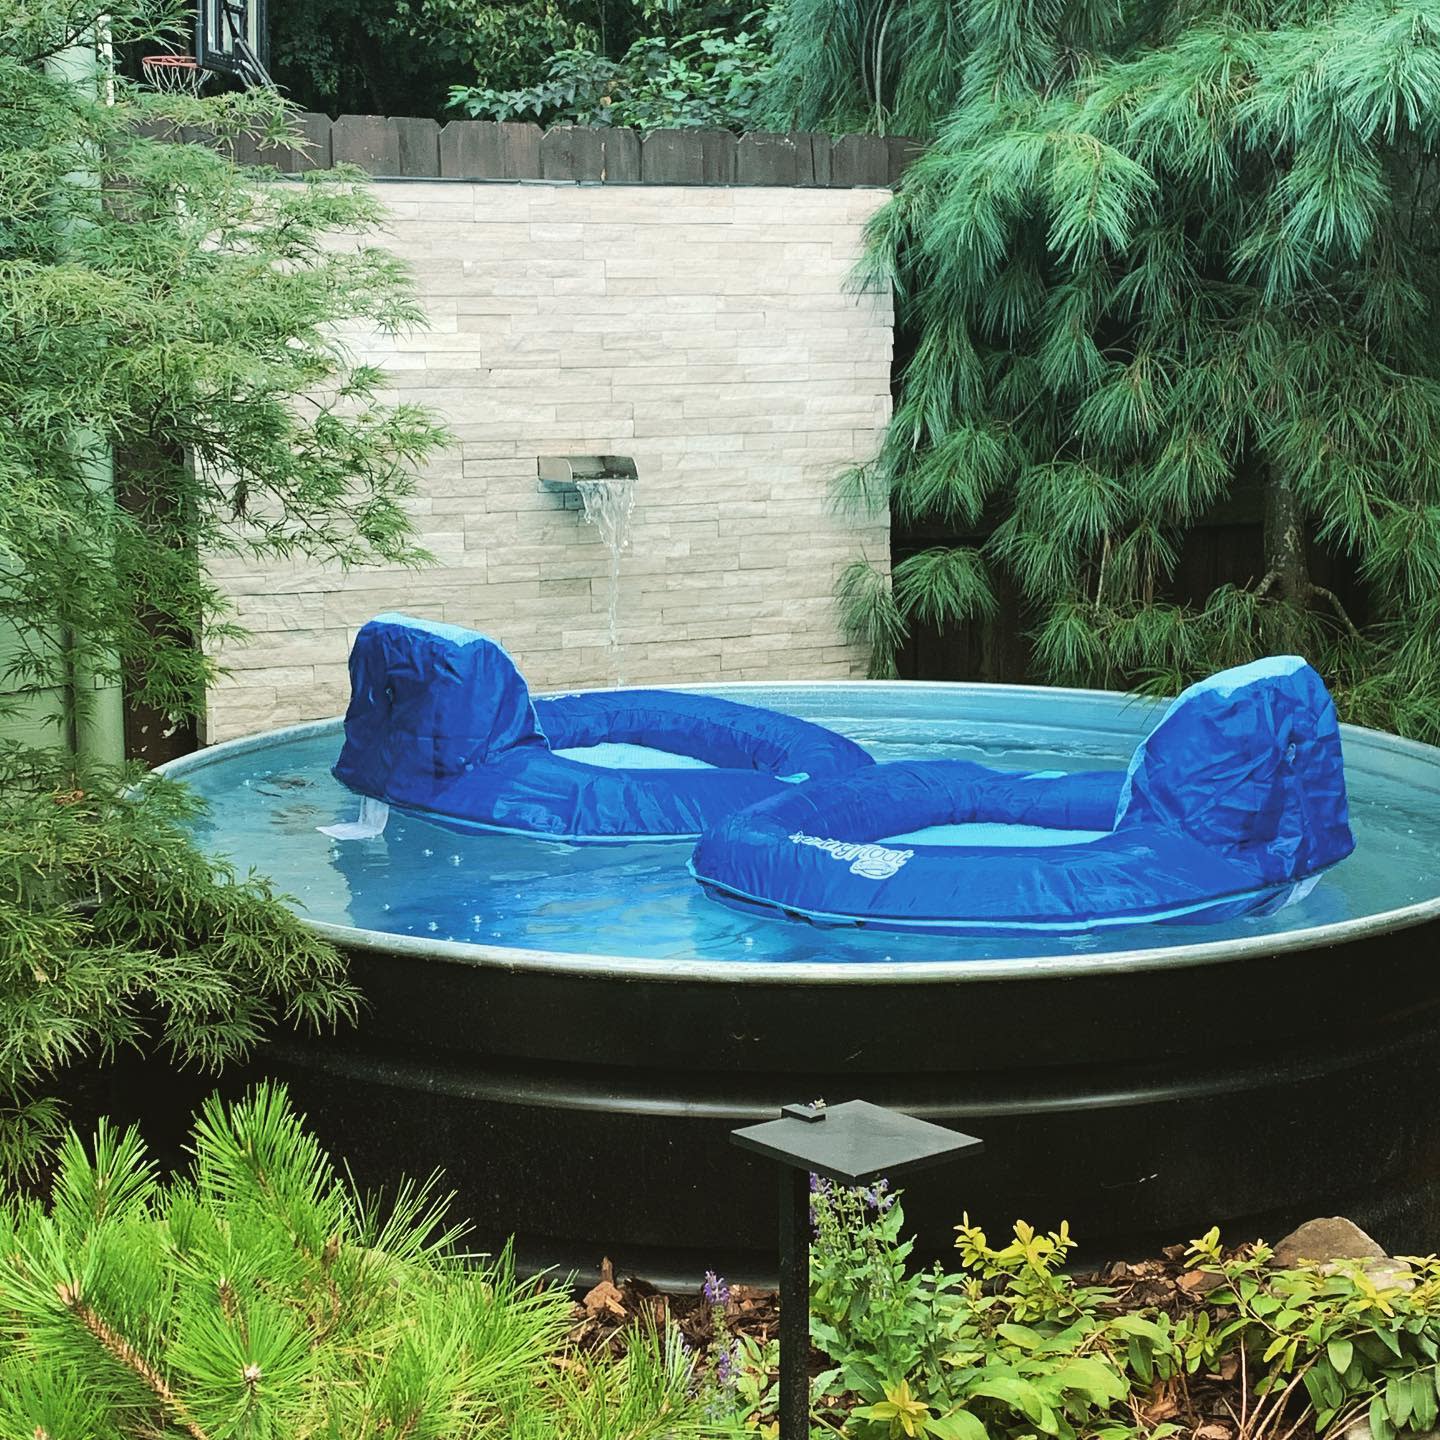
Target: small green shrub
(1007, 1346)
(260, 1299)
(115, 930)
(1325, 1344)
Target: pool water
(267, 797)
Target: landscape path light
(852, 1144)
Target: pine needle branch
(126, 1353)
(1333, 600)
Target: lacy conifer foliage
(116, 931)
(166, 307)
(259, 1297)
(1158, 256)
(184, 318)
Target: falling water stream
(608, 503)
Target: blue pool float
(1234, 804)
(441, 724)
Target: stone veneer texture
(708, 333)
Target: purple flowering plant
(857, 1256)
(715, 1291)
(725, 1354)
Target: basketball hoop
(232, 38)
(174, 74)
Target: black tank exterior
(587, 1111)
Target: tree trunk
(1287, 570)
(146, 488)
(1287, 567)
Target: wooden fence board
(903, 152)
(470, 150)
(371, 142)
(718, 157)
(820, 147)
(419, 146)
(520, 151)
(860, 160)
(622, 157)
(774, 160)
(573, 152)
(314, 129)
(672, 157)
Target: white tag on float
(371, 822)
(870, 862)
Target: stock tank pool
(571, 1032)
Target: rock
(1200, 1282)
(1359, 1429)
(1324, 1242)
(1321, 1240)
(1390, 1274)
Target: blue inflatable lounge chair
(1232, 805)
(441, 724)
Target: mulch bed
(606, 1314)
(1206, 1407)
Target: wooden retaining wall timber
(395, 147)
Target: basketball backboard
(231, 37)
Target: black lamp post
(853, 1144)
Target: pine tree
(260, 1298)
(185, 319)
(893, 66)
(1157, 256)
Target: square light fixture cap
(855, 1143)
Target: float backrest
(1248, 763)
(427, 702)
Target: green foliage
(755, 1391)
(944, 584)
(184, 321)
(1161, 260)
(710, 79)
(115, 930)
(401, 57)
(869, 615)
(193, 326)
(259, 1297)
(1328, 1344)
(1011, 1345)
(1007, 1345)
(397, 57)
(892, 66)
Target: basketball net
(174, 74)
